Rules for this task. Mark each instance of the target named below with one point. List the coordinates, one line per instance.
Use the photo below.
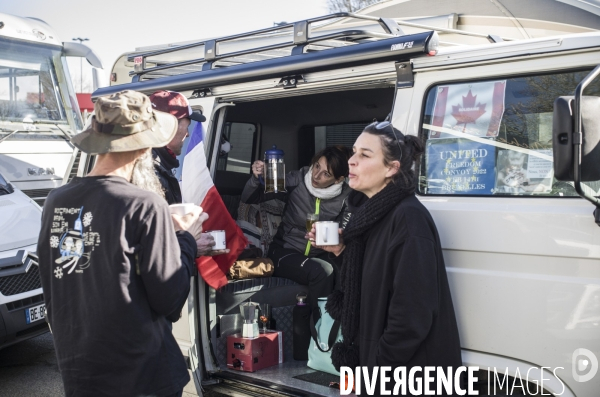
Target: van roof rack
(281, 55)
(146, 63)
(397, 49)
(299, 41)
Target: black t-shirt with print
(111, 271)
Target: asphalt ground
(30, 369)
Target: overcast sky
(118, 26)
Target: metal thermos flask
(250, 313)
(274, 171)
(301, 324)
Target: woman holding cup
(314, 193)
(394, 303)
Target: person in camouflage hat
(114, 264)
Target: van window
(339, 134)
(494, 137)
(239, 158)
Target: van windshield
(28, 83)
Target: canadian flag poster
(474, 108)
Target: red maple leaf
(468, 112)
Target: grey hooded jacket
(299, 202)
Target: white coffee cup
(220, 241)
(182, 209)
(327, 233)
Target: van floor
(284, 375)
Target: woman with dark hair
(394, 303)
(321, 189)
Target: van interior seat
(275, 290)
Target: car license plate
(35, 313)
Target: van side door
(521, 249)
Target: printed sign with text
(460, 167)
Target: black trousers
(318, 273)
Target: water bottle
(301, 324)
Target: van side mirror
(576, 139)
(564, 139)
(82, 51)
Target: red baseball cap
(176, 104)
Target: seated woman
(317, 189)
(394, 304)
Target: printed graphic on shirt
(73, 237)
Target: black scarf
(344, 305)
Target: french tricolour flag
(198, 187)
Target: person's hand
(205, 243)
(335, 249)
(257, 168)
(191, 222)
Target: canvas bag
(325, 331)
(251, 268)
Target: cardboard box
(252, 354)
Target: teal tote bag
(325, 332)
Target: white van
(38, 106)
(521, 248)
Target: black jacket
(299, 202)
(112, 268)
(164, 164)
(406, 313)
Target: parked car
(22, 309)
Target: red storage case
(252, 354)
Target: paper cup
(327, 233)
(182, 209)
(220, 241)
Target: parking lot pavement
(29, 368)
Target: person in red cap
(165, 158)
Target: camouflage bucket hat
(123, 122)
